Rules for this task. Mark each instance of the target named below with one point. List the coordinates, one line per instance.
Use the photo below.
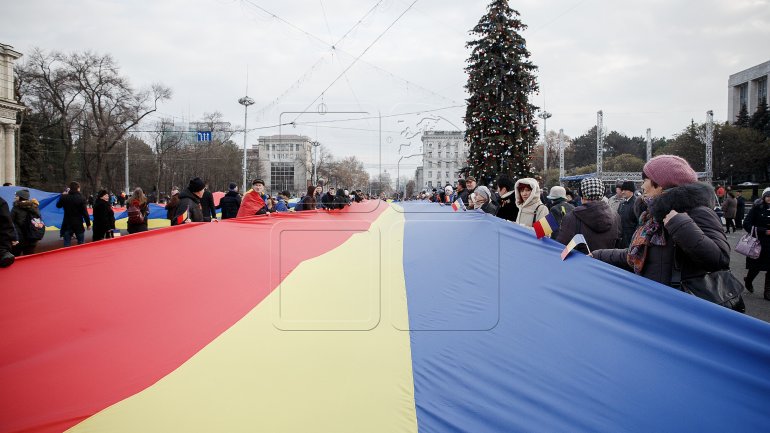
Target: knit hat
(196, 185)
(102, 193)
(669, 171)
(470, 179)
(557, 192)
(23, 194)
(628, 186)
(765, 192)
(448, 189)
(232, 186)
(591, 188)
(484, 192)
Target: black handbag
(719, 287)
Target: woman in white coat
(531, 209)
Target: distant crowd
(668, 232)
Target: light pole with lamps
(545, 116)
(398, 172)
(245, 101)
(315, 145)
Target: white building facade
(284, 162)
(8, 110)
(747, 88)
(444, 155)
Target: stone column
(2, 154)
(10, 153)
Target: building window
(762, 90)
(743, 93)
(430, 154)
(430, 184)
(282, 176)
(447, 174)
(439, 154)
(430, 174)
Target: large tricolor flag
(257, 328)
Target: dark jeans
(67, 234)
(730, 222)
(753, 274)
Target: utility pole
(561, 155)
(245, 101)
(128, 190)
(649, 144)
(599, 143)
(545, 116)
(315, 161)
(709, 144)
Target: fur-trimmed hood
(683, 199)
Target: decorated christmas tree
(500, 124)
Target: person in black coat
(759, 219)
(341, 199)
(189, 208)
(24, 210)
(207, 205)
(230, 203)
(75, 214)
(104, 217)
(507, 208)
(7, 235)
(628, 217)
(740, 213)
(327, 200)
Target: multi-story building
(284, 162)
(444, 154)
(419, 180)
(747, 88)
(8, 110)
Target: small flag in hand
(458, 204)
(182, 218)
(577, 240)
(545, 226)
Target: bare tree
(110, 106)
(165, 139)
(46, 87)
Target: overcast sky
(647, 64)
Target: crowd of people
(668, 232)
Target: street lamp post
(545, 116)
(315, 161)
(245, 101)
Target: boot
(6, 259)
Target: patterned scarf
(650, 232)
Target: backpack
(35, 228)
(135, 215)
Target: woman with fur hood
(531, 209)
(679, 225)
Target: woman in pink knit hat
(678, 226)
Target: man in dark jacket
(462, 191)
(507, 208)
(207, 205)
(327, 200)
(189, 208)
(560, 207)
(7, 235)
(24, 212)
(740, 213)
(75, 214)
(593, 219)
(230, 203)
(629, 220)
